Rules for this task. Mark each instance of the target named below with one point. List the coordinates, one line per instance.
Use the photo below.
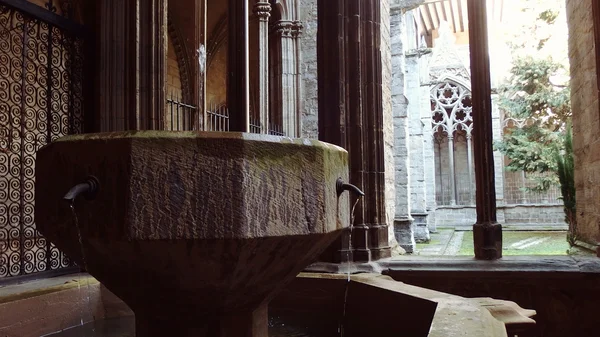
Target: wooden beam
(47, 16)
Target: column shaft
(263, 11)
(487, 233)
(238, 94)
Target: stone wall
(173, 76)
(403, 222)
(308, 70)
(540, 216)
(388, 126)
(586, 135)
(534, 215)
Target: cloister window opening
(479, 53)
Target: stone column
(451, 166)
(131, 52)
(498, 159)
(152, 57)
(430, 221)
(200, 80)
(116, 53)
(263, 11)
(351, 114)
(293, 119)
(373, 111)
(487, 232)
(285, 104)
(419, 126)
(403, 221)
(238, 72)
(331, 81)
(470, 166)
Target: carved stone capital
(284, 28)
(297, 28)
(262, 10)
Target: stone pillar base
(421, 228)
(253, 323)
(488, 241)
(404, 232)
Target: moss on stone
(83, 281)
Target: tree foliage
(565, 169)
(537, 94)
(530, 96)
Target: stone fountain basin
(190, 224)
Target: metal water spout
(341, 186)
(89, 188)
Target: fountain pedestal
(194, 231)
(251, 323)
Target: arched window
(452, 124)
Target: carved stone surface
(262, 10)
(188, 227)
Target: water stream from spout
(349, 257)
(84, 262)
(349, 262)
(79, 237)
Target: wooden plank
(420, 24)
(456, 13)
(426, 17)
(439, 7)
(449, 15)
(465, 15)
(47, 16)
(435, 15)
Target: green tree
(544, 144)
(565, 169)
(530, 95)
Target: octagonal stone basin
(195, 231)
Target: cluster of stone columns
(351, 115)
(285, 102)
(287, 75)
(130, 54)
(262, 10)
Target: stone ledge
(16, 292)
(529, 265)
(520, 264)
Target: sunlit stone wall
(586, 118)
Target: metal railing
(180, 115)
(218, 120)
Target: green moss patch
(524, 243)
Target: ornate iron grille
(41, 99)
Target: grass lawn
(524, 243)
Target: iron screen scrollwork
(41, 99)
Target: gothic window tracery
(452, 124)
(451, 108)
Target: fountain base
(252, 323)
